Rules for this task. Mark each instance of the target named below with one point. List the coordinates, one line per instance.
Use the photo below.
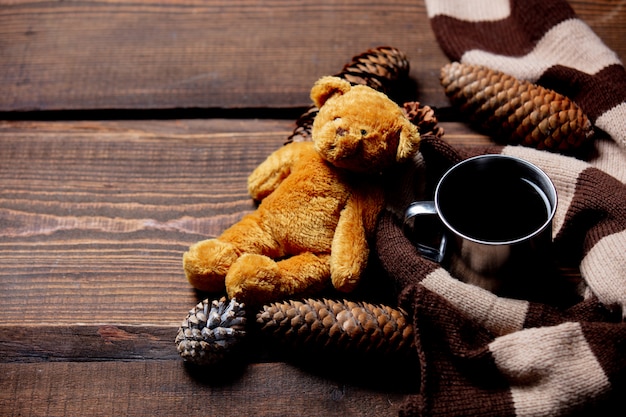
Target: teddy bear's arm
(271, 172)
(350, 248)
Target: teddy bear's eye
(363, 132)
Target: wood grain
(152, 54)
(164, 388)
(214, 53)
(83, 342)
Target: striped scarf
(543, 354)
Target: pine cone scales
(304, 125)
(515, 111)
(356, 328)
(211, 331)
(378, 68)
(423, 117)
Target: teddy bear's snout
(345, 145)
(341, 131)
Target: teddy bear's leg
(257, 279)
(207, 262)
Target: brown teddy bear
(319, 202)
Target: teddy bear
(319, 201)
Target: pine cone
(354, 328)
(514, 111)
(304, 125)
(379, 68)
(423, 117)
(211, 331)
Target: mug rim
(518, 160)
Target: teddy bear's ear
(409, 141)
(326, 87)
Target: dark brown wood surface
(176, 53)
(95, 214)
(147, 54)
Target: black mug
(495, 214)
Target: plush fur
(319, 202)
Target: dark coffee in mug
(492, 221)
(492, 208)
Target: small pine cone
(423, 117)
(379, 68)
(211, 331)
(304, 125)
(332, 326)
(515, 111)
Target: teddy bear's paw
(206, 264)
(345, 279)
(347, 264)
(254, 280)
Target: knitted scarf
(560, 348)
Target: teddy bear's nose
(341, 131)
(346, 145)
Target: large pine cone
(359, 329)
(379, 68)
(211, 331)
(514, 111)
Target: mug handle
(426, 208)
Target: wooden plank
(607, 19)
(104, 342)
(164, 388)
(215, 53)
(96, 215)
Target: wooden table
(127, 131)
